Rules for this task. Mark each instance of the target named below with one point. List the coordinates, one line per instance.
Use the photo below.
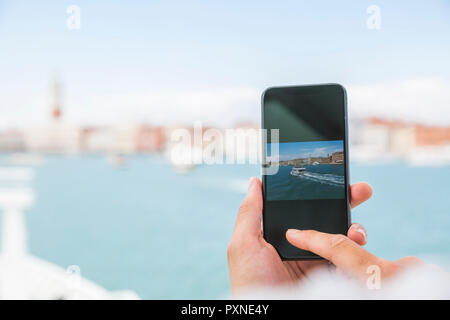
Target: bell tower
(56, 101)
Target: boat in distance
(297, 171)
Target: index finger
(336, 248)
(248, 220)
(359, 192)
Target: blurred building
(392, 136)
(377, 139)
(337, 157)
(126, 139)
(150, 139)
(431, 136)
(12, 141)
(56, 136)
(398, 136)
(53, 138)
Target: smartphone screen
(310, 187)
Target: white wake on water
(325, 178)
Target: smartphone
(307, 186)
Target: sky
(176, 62)
(298, 150)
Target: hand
(347, 255)
(252, 262)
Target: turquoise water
(323, 181)
(164, 235)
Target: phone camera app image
(309, 190)
(308, 171)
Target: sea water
(322, 181)
(163, 234)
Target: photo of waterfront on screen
(308, 171)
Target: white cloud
(214, 106)
(418, 99)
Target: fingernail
(293, 233)
(361, 230)
(252, 183)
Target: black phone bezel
(347, 169)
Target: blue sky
(296, 150)
(180, 61)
